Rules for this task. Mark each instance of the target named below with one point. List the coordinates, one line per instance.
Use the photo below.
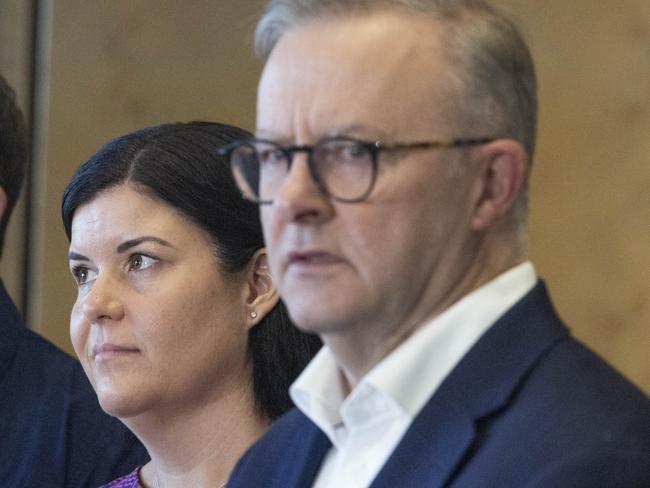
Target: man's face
(377, 268)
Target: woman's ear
(503, 179)
(261, 293)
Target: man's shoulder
(569, 397)
(289, 454)
(572, 417)
(566, 380)
(530, 353)
(292, 426)
(539, 403)
(586, 393)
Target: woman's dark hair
(178, 164)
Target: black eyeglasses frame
(373, 148)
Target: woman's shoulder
(131, 480)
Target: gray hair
(494, 77)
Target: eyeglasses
(343, 168)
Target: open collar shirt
(366, 425)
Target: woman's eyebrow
(73, 256)
(139, 240)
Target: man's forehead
(343, 70)
(383, 31)
(329, 52)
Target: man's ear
(3, 202)
(261, 293)
(504, 166)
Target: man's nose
(101, 303)
(299, 197)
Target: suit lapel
(307, 456)
(433, 445)
(441, 437)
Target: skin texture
(365, 276)
(180, 325)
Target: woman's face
(155, 323)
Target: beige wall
(590, 221)
(120, 65)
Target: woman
(177, 322)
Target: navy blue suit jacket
(53, 434)
(528, 406)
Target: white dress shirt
(366, 426)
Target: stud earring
(253, 314)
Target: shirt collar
(425, 358)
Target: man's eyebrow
(356, 130)
(73, 256)
(350, 130)
(134, 242)
(269, 135)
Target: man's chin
(322, 319)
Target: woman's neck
(197, 446)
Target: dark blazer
(52, 431)
(528, 406)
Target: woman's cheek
(79, 331)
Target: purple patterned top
(131, 480)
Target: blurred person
(394, 143)
(177, 322)
(52, 431)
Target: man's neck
(358, 349)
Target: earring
(253, 314)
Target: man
(395, 144)
(52, 431)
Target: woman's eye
(139, 262)
(83, 275)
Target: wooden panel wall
(590, 209)
(120, 65)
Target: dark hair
(178, 164)
(13, 152)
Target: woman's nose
(102, 303)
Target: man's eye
(270, 156)
(83, 275)
(141, 261)
(354, 151)
(346, 153)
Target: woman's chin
(118, 404)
